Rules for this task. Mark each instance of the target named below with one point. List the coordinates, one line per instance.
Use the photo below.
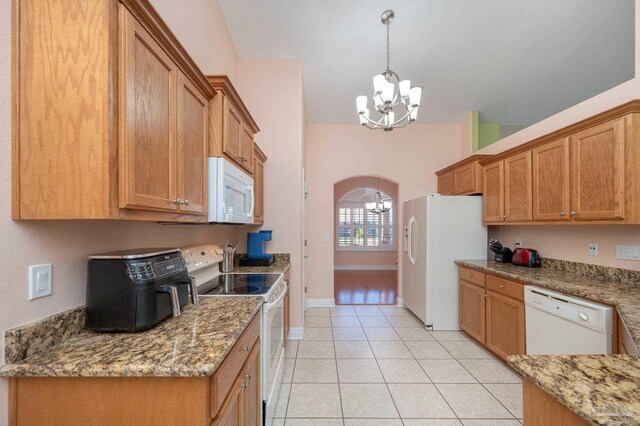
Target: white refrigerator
(439, 229)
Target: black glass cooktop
(238, 284)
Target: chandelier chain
(388, 23)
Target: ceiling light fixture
(387, 95)
(378, 206)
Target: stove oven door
(272, 349)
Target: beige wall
(272, 90)
(66, 244)
(408, 156)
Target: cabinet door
(493, 192)
(246, 148)
(551, 181)
(464, 182)
(286, 317)
(258, 184)
(252, 400)
(232, 122)
(517, 188)
(446, 184)
(597, 169)
(505, 325)
(472, 310)
(192, 115)
(232, 411)
(147, 97)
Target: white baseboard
(400, 302)
(296, 333)
(321, 303)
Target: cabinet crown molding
(223, 84)
(463, 162)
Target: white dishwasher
(558, 324)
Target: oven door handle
(268, 306)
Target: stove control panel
(199, 257)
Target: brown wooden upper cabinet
(551, 181)
(586, 173)
(127, 143)
(517, 188)
(232, 128)
(462, 178)
(493, 192)
(258, 184)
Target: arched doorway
(366, 242)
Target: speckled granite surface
(39, 336)
(193, 344)
(281, 265)
(602, 389)
(625, 296)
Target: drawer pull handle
(244, 385)
(501, 286)
(249, 376)
(246, 348)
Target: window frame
(381, 226)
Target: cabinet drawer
(471, 276)
(226, 374)
(506, 287)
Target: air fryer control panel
(141, 270)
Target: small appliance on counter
(133, 290)
(526, 257)
(502, 254)
(256, 256)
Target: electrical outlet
(519, 242)
(39, 281)
(325, 237)
(593, 249)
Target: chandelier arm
(375, 123)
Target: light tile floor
(369, 365)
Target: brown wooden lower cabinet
(472, 310)
(541, 409)
(505, 332)
(230, 397)
(493, 313)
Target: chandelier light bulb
(388, 92)
(378, 83)
(363, 117)
(390, 118)
(361, 103)
(405, 86)
(414, 96)
(413, 114)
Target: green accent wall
(482, 134)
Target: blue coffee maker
(256, 242)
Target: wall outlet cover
(39, 280)
(593, 249)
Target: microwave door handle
(173, 294)
(268, 306)
(253, 201)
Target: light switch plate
(628, 252)
(39, 281)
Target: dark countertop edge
(201, 370)
(611, 302)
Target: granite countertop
(624, 296)
(602, 389)
(193, 344)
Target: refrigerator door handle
(412, 222)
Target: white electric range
(203, 264)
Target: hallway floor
(370, 365)
(365, 287)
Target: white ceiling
(515, 61)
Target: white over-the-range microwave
(230, 193)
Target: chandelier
(378, 206)
(387, 96)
